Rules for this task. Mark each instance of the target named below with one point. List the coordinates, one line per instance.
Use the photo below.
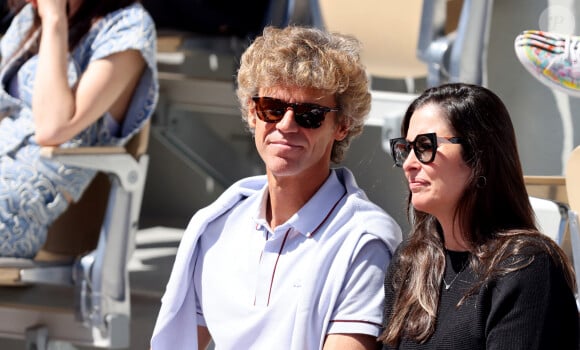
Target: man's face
(291, 150)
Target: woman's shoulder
(19, 27)
(533, 243)
(134, 15)
(128, 28)
(533, 257)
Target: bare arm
(203, 337)
(351, 342)
(61, 112)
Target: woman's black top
(532, 308)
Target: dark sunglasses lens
(424, 148)
(270, 110)
(400, 151)
(309, 116)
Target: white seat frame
(101, 314)
(552, 217)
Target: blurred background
(198, 145)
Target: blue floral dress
(31, 187)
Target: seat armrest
(545, 180)
(53, 151)
(112, 160)
(548, 187)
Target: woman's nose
(411, 161)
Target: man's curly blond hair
(306, 57)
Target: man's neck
(286, 195)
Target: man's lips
(283, 144)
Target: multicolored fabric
(551, 58)
(31, 187)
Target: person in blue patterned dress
(73, 73)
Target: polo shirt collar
(313, 214)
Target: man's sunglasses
(424, 146)
(307, 115)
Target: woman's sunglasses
(307, 115)
(424, 146)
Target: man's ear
(252, 120)
(342, 130)
(251, 114)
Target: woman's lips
(416, 184)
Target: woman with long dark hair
(73, 73)
(474, 272)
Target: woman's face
(437, 186)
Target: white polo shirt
(255, 287)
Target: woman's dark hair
(81, 22)
(494, 212)
(495, 198)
